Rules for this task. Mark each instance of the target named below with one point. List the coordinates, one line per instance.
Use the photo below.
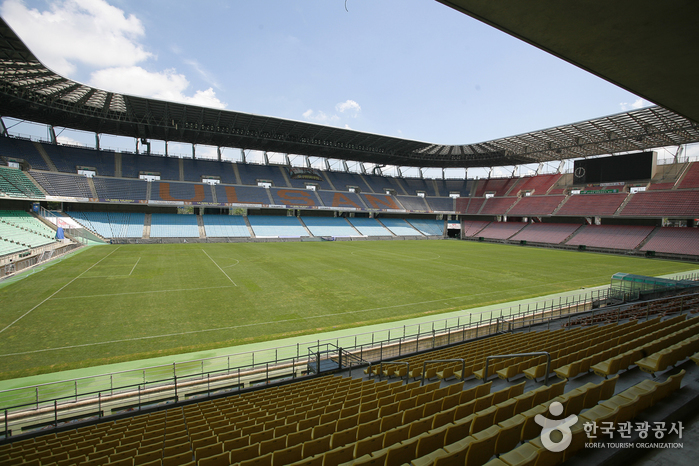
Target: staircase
(200, 224)
(45, 156)
(146, 226)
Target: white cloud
(68, 141)
(638, 103)
(349, 106)
(165, 85)
(91, 32)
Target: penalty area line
(219, 267)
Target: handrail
(424, 367)
(407, 365)
(519, 355)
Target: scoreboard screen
(629, 167)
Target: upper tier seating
(440, 204)
(473, 227)
(189, 192)
(501, 230)
(380, 201)
(446, 187)
(413, 185)
(301, 182)
(674, 240)
(250, 174)
(168, 167)
(400, 227)
(379, 184)
(59, 184)
(469, 205)
(592, 205)
(691, 178)
(112, 224)
(497, 205)
(173, 226)
(369, 226)
(195, 169)
(68, 159)
(225, 226)
(22, 149)
(413, 203)
(330, 226)
(661, 186)
(242, 194)
(538, 185)
(119, 189)
(338, 199)
(611, 236)
(663, 203)
(552, 233)
(300, 197)
(14, 183)
(342, 181)
(429, 227)
(498, 186)
(275, 226)
(533, 206)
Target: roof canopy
(30, 91)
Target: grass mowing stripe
(59, 290)
(126, 293)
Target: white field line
(219, 267)
(59, 290)
(116, 276)
(134, 266)
(232, 265)
(234, 327)
(143, 292)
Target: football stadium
(165, 310)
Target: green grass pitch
(118, 303)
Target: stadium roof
(31, 91)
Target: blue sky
(407, 68)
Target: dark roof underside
(30, 91)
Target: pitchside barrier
(62, 403)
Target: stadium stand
(242, 194)
(413, 203)
(469, 206)
(538, 185)
(225, 226)
(14, 183)
(19, 230)
(674, 240)
(662, 204)
(399, 227)
(497, 205)
(59, 184)
(661, 186)
(369, 226)
(551, 233)
(16, 148)
(276, 226)
(471, 228)
(501, 230)
(611, 236)
(498, 186)
(341, 200)
(440, 204)
(195, 169)
(342, 181)
(380, 201)
(581, 205)
(173, 192)
(67, 159)
(321, 184)
(428, 227)
(691, 178)
(112, 224)
(446, 187)
(300, 197)
(413, 185)
(250, 174)
(132, 165)
(330, 226)
(174, 226)
(534, 206)
(120, 189)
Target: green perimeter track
(113, 304)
